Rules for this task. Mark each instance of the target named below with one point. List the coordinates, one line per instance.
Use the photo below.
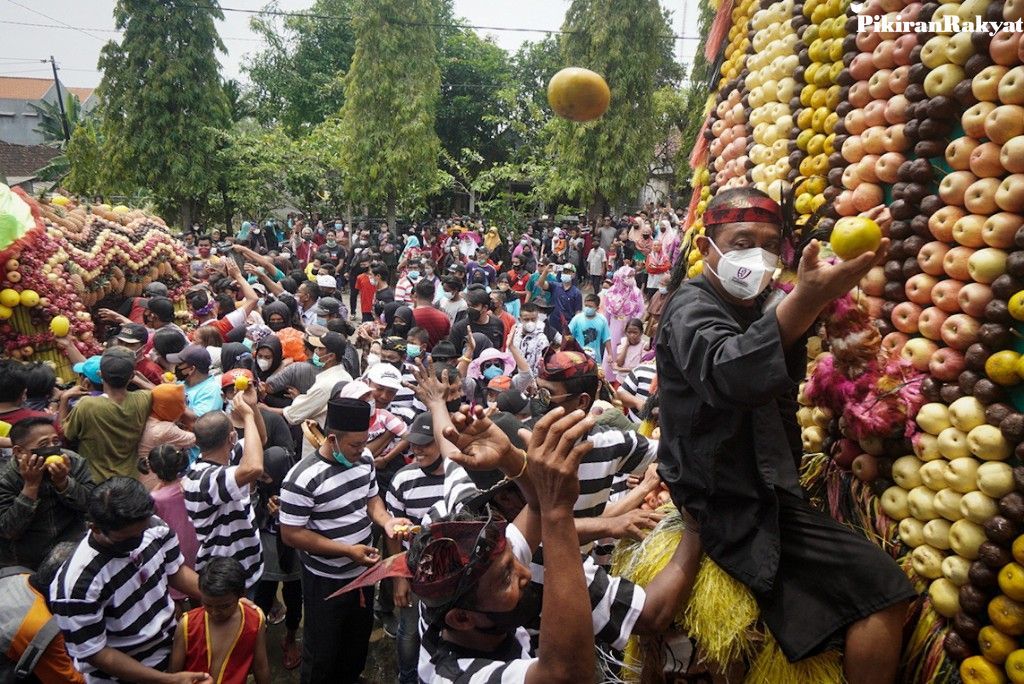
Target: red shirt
(509, 321)
(153, 372)
(367, 291)
(434, 321)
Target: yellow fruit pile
(819, 95)
(770, 87)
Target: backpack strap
(36, 648)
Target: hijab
(492, 239)
(274, 345)
(624, 299)
(235, 355)
(168, 401)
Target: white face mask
(264, 364)
(529, 326)
(745, 273)
(372, 360)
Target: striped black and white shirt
(222, 514)
(331, 500)
(413, 492)
(120, 601)
(615, 453)
(615, 606)
(638, 383)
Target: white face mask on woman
(745, 273)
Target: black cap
(348, 415)
(117, 366)
(197, 356)
(421, 432)
(443, 351)
(162, 308)
(512, 401)
(331, 341)
(328, 306)
(133, 333)
(155, 289)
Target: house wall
(18, 120)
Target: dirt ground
(380, 665)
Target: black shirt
(728, 422)
(494, 329)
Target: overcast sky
(76, 50)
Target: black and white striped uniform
(615, 605)
(413, 492)
(120, 601)
(615, 452)
(331, 500)
(405, 405)
(222, 514)
(638, 383)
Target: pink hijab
(624, 299)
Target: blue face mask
(320, 320)
(566, 278)
(414, 275)
(316, 360)
(589, 311)
(412, 350)
(492, 372)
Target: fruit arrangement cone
(912, 411)
(60, 260)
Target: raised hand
(554, 454)
(825, 282)
(481, 444)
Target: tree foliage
(297, 78)
(50, 126)
(161, 99)
(255, 160)
(84, 154)
(630, 43)
(390, 147)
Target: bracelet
(525, 461)
(465, 359)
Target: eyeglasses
(487, 541)
(545, 397)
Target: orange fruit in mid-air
(855, 235)
(578, 94)
(977, 670)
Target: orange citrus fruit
(855, 235)
(578, 94)
(977, 670)
(1011, 581)
(1007, 615)
(995, 646)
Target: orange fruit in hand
(855, 235)
(1007, 615)
(578, 94)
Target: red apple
(960, 331)
(1000, 229)
(873, 281)
(944, 295)
(1004, 122)
(954, 186)
(892, 344)
(955, 263)
(1010, 195)
(980, 196)
(865, 468)
(1011, 156)
(888, 166)
(932, 257)
(973, 298)
(941, 223)
(958, 153)
(919, 288)
(973, 120)
(1004, 47)
(930, 322)
(967, 230)
(905, 317)
(946, 364)
(846, 452)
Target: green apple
(933, 474)
(921, 502)
(933, 418)
(927, 562)
(966, 413)
(911, 532)
(894, 503)
(947, 504)
(955, 569)
(995, 479)
(952, 444)
(965, 537)
(906, 472)
(963, 474)
(978, 507)
(987, 443)
(945, 597)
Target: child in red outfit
(225, 637)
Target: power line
(328, 17)
(78, 28)
(46, 16)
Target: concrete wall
(18, 120)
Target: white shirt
(312, 404)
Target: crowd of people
(478, 407)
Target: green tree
(239, 104)
(84, 172)
(254, 160)
(469, 113)
(162, 102)
(387, 122)
(297, 78)
(630, 43)
(50, 126)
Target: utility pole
(60, 102)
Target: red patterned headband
(760, 210)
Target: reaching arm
(671, 587)
(186, 581)
(250, 469)
(250, 298)
(260, 663)
(126, 668)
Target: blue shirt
(592, 333)
(205, 396)
(564, 304)
(513, 306)
(538, 294)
